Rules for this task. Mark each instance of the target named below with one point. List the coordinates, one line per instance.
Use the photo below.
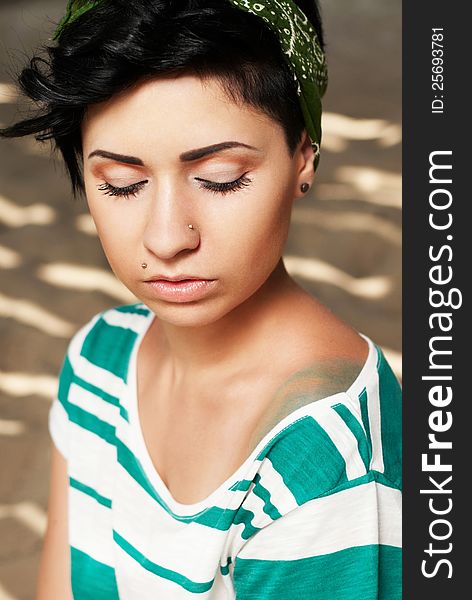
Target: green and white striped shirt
(313, 513)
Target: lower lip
(182, 291)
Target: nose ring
(144, 265)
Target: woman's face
(190, 156)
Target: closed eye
(127, 191)
(226, 186)
(216, 187)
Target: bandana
(298, 40)
(75, 8)
(303, 54)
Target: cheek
(116, 230)
(269, 218)
(253, 239)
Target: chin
(188, 314)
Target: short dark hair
(118, 43)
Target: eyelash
(225, 187)
(213, 186)
(129, 190)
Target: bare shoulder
(314, 336)
(324, 356)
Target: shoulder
(323, 448)
(94, 371)
(339, 442)
(107, 335)
(324, 506)
(98, 353)
(315, 355)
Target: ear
(306, 172)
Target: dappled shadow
(344, 247)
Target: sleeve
(58, 417)
(345, 545)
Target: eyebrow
(213, 149)
(187, 156)
(129, 160)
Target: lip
(160, 277)
(184, 289)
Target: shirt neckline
(212, 499)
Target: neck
(228, 343)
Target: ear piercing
(305, 187)
(144, 265)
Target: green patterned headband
(299, 44)
(304, 57)
(75, 8)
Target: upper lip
(173, 278)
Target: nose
(167, 231)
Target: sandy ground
(344, 245)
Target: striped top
(313, 512)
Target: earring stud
(305, 187)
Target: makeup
(186, 290)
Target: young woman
(227, 436)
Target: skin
(227, 340)
(214, 375)
(157, 124)
(54, 568)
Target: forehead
(179, 111)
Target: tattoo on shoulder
(316, 381)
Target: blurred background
(344, 245)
